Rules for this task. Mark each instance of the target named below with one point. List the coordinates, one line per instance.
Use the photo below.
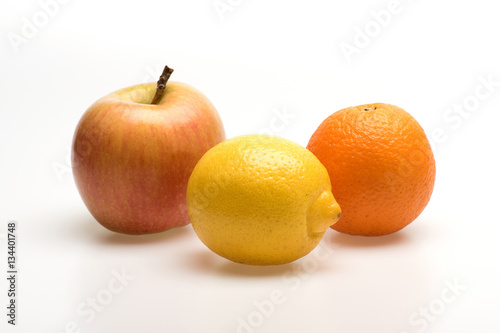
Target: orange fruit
(380, 165)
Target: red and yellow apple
(132, 159)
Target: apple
(134, 150)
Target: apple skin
(132, 160)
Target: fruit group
(132, 159)
(259, 199)
(380, 164)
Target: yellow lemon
(261, 200)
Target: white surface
(264, 56)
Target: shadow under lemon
(323, 257)
(207, 262)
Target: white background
(259, 58)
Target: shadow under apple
(88, 226)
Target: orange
(380, 165)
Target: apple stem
(161, 84)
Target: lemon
(261, 200)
